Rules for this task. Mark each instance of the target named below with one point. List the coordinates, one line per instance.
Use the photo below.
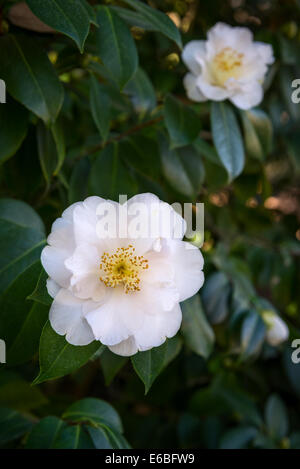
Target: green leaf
(100, 107)
(157, 20)
(40, 293)
(276, 417)
(70, 17)
(141, 92)
(12, 425)
(215, 297)
(109, 177)
(238, 438)
(116, 46)
(13, 128)
(148, 365)
(227, 138)
(252, 335)
(258, 133)
(143, 154)
(111, 364)
(75, 437)
(51, 149)
(196, 330)
(29, 76)
(22, 238)
(18, 394)
(45, 433)
(59, 358)
(95, 411)
(182, 122)
(183, 169)
(21, 320)
(78, 189)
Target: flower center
(227, 64)
(123, 267)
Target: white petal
(53, 259)
(192, 90)
(126, 348)
(192, 55)
(85, 221)
(66, 318)
(156, 328)
(222, 35)
(52, 287)
(250, 96)
(188, 264)
(265, 51)
(215, 93)
(85, 267)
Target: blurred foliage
(88, 113)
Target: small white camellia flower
(277, 330)
(123, 291)
(228, 65)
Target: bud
(277, 330)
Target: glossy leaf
(29, 76)
(183, 168)
(45, 433)
(227, 138)
(258, 133)
(276, 417)
(148, 365)
(22, 238)
(252, 335)
(100, 107)
(141, 92)
(197, 333)
(13, 128)
(22, 320)
(12, 425)
(59, 358)
(70, 17)
(109, 176)
(158, 20)
(215, 297)
(182, 122)
(111, 364)
(116, 46)
(51, 149)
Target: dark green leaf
(141, 92)
(276, 417)
(12, 425)
(100, 107)
(111, 364)
(183, 169)
(75, 437)
(182, 122)
(258, 133)
(158, 20)
(13, 128)
(148, 365)
(196, 330)
(29, 76)
(238, 438)
(59, 358)
(22, 320)
(40, 293)
(227, 138)
(215, 296)
(18, 394)
(51, 149)
(116, 46)
(109, 177)
(71, 17)
(78, 189)
(22, 238)
(252, 335)
(94, 411)
(44, 434)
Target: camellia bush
(176, 341)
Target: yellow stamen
(123, 268)
(227, 64)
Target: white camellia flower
(228, 65)
(277, 330)
(123, 291)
